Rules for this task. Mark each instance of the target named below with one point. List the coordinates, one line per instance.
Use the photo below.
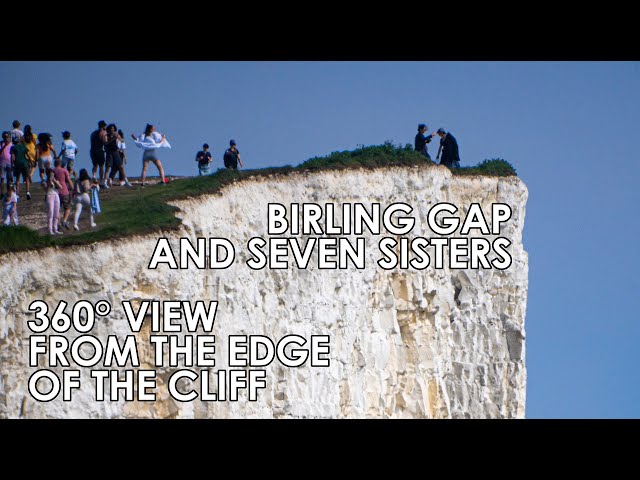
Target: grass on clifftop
(144, 210)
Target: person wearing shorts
(20, 162)
(64, 192)
(81, 190)
(149, 155)
(69, 149)
(203, 157)
(45, 154)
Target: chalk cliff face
(404, 343)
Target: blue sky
(567, 127)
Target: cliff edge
(404, 343)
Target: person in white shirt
(150, 141)
(16, 133)
(68, 151)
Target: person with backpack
(449, 148)
(98, 139)
(232, 156)
(21, 165)
(203, 157)
(68, 151)
(421, 140)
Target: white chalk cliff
(404, 343)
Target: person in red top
(62, 176)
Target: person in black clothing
(98, 139)
(422, 140)
(232, 156)
(449, 149)
(203, 157)
(113, 158)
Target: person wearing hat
(68, 151)
(232, 156)
(422, 140)
(449, 149)
(203, 157)
(98, 140)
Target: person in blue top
(449, 148)
(422, 140)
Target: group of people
(448, 146)
(231, 158)
(21, 154)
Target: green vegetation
(496, 167)
(144, 210)
(384, 155)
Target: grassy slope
(146, 210)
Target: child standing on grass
(10, 206)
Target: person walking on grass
(69, 149)
(122, 150)
(150, 141)
(10, 206)
(21, 166)
(29, 140)
(6, 173)
(98, 139)
(81, 190)
(45, 154)
(421, 140)
(203, 157)
(113, 156)
(449, 148)
(232, 156)
(66, 185)
(52, 198)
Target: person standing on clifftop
(97, 140)
(422, 140)
(449, 148)
(232, 156)
(16, 133)
(6, 172)
(150, 141)
(203, 157)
